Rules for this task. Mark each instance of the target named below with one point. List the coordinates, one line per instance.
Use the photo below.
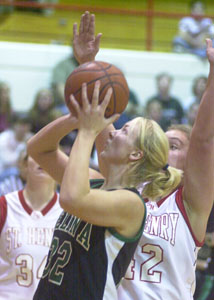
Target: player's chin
(103, 154)
(42, 173)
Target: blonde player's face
(121, 143)
(179, 144)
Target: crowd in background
(16, 127)
(165, 108)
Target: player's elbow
(70, 204)
(32, 150)
(63, 203)
(30, 146)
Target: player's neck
(115, 178)
(37, 199)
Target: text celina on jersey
(163, 266)
(86, 262)
(24, 244)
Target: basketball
(109, 76)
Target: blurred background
(135, 25)
(158, 44)
(137, 36)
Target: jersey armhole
(180, 203)
(139, 233)
(3, 212)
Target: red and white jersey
(163, 266)
(24, 244)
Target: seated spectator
(12, 142)
(192, 113)
(43, 110)
(154, 111)
(45, 11)
(15, 182)
(5, 106)
(5, 11)
(198, 88)
(59, 76)
(172, 110)
(131, 111)
(193, 30)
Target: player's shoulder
(11, 200)
(11, 195)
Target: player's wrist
(86, 59)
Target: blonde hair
(149, 170)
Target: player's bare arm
(86, 47)
(44, 146)
(98, 207)
(85, 43)
(199, 175)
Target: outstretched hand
(91, 116)
(85, 44)
(210, 51)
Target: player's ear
(135, 155)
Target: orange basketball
(109, 76)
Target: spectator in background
(5, 106)
(15, 182)
(192, 104)
(192, 113)
(12, 142)
(59, 76)
(198, 88)
(131, 111)
(154, 111)
(5, 11)
(43, 110)
(172, 110)
(193, 30)
(45, 11)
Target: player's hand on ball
(108, 75)
(91, 115)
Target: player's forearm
(48, 138)
(203, 126)
(75, 184)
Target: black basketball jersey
(85, 262)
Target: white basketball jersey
(163, 266)
(24, 244)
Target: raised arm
(85, 47)
(199, 170)
(44, 146)
(104, 208)
(85, 43)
